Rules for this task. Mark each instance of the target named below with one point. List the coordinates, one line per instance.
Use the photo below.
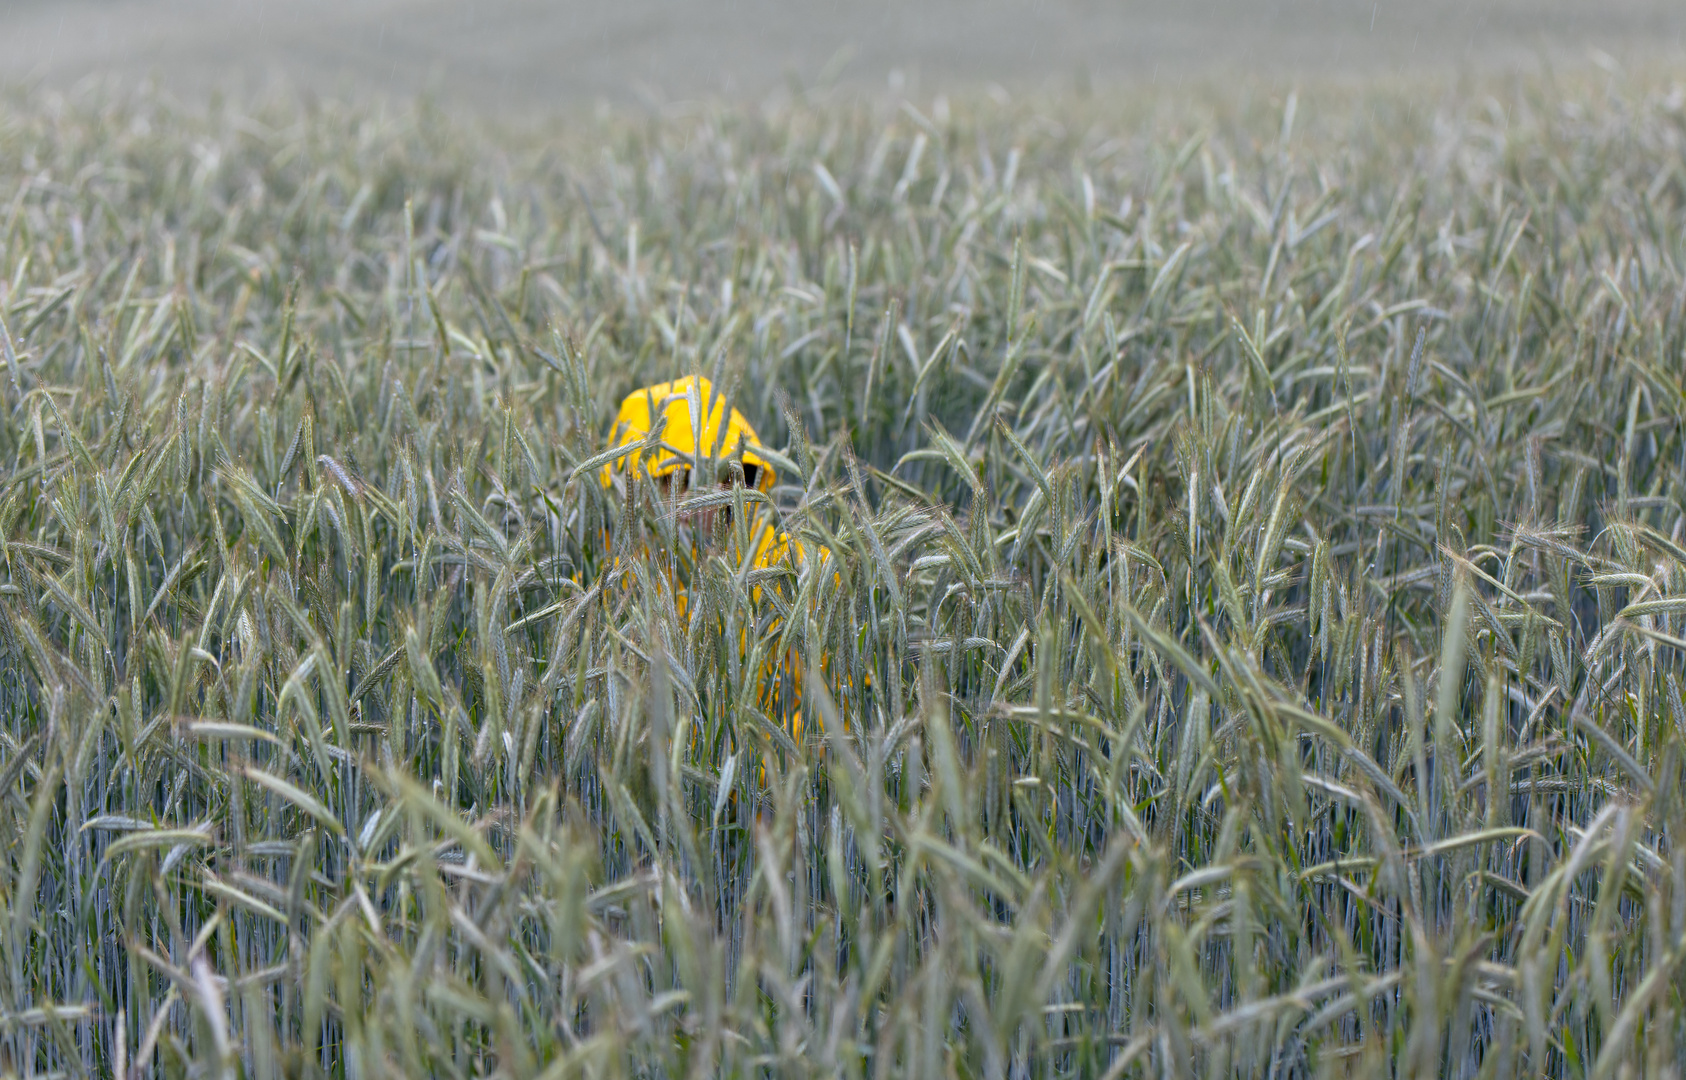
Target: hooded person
(659, 428)
(696, 450)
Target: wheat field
(1249, 644)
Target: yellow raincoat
(724, 436)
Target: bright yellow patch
(723, 434)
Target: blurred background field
(534, 55)
(1250, 634)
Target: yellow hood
(725, 433)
